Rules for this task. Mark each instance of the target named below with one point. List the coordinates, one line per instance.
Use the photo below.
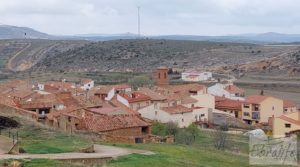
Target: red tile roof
(135, 97)
(256, 99)
(234, 89)
(104, 123)
(288, 119)
(288, 103)
(152, 94)
(188, 100)
(185, 87)
(178, 109)
(224, 103)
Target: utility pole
(139, 26)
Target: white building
(229, 91)
(87, 84)
(195, 76)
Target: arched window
(159, 75)
(165, 75)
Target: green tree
(140, 81)
(171, 128)
(158, 128)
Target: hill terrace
(122, 114)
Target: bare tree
(220, 137)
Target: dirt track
(101, 151)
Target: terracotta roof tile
(256, 99)
(233, 89)
(224, 103)
(133, 97)
(288, 119)
(103, 123)
(178, 109)
(288, 103)
(152, 94)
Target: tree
(184, 137)
(171, 128)
(140, 81)
(220, 137)
(193, 129)
(158, 128)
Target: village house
(86, 84)
(42, 103)
(195, 76)
(229, 106)
(289, 106)
(134, 100)
(259, 109)
(119, 128)
(286, 124)
(229, 91)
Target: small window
(273, 108)
(246, 106)
(155, 112)
(288, 125)
(202, 115)
(159, 75)
(247, 114)
(182, 120)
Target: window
(202, 115)
(246, 106)
(247, 114)
(155, 112)
(182, 120)
(288, 125)
(159, 75)
(165, 75)
(273, 108)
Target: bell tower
(161, 76)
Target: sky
(158, 17)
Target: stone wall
(7, 110)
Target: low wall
(7, 110)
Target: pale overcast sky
(158, 17)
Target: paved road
(101, 151)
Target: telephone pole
(139, 26)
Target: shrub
(184, 137)
(158, 128)
(171, 128)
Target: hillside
(14, 32)
(145, 54)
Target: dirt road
(101, 151)
(9, 63)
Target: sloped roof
(21, 93)
(255, 99)
(290, 120)
(185, 87)
(188, 100)
(133, 97)
(233, 89)
(176, 109)
(152, 94)
(224, 103)
(103, 123)
(288, 103)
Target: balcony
(255, 115)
